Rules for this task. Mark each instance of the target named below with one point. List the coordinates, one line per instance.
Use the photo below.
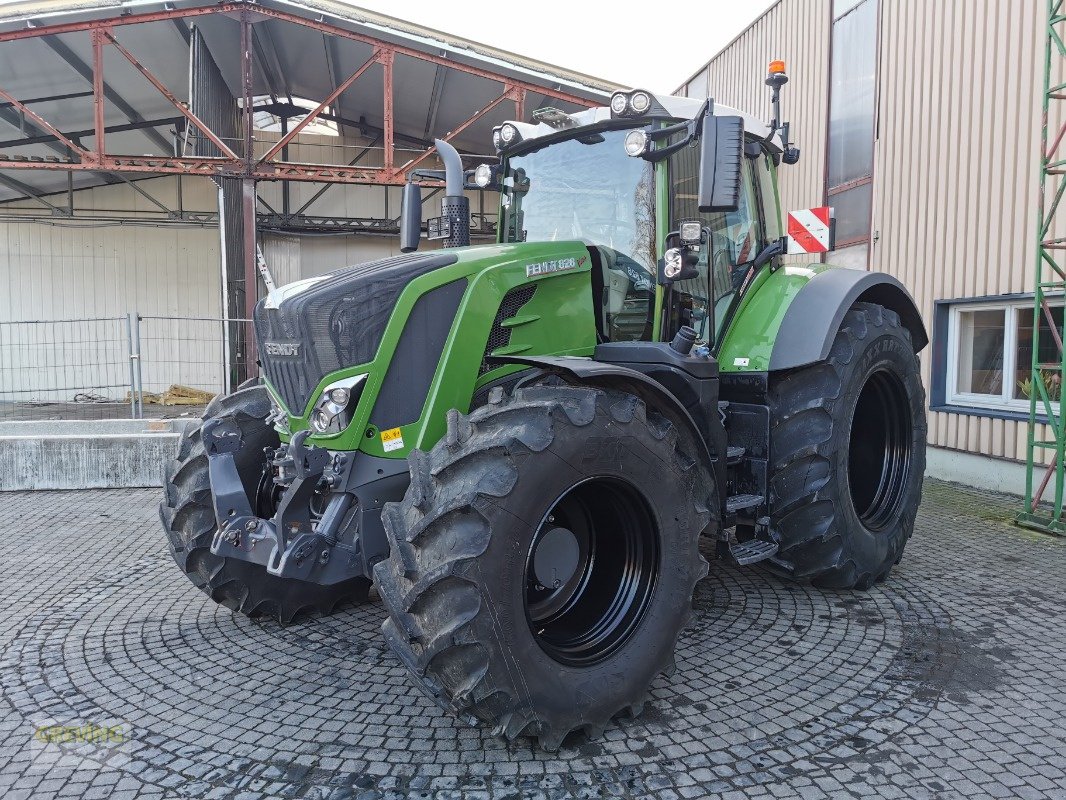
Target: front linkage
(296, 542)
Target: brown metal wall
(959, 87)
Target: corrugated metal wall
(796, 31)
(955, 181)
(955, 162)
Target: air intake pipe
(454, 207)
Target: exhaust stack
(455, 206)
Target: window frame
(869, 239)
(752, 188)
(1005, 402)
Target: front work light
(690, 232)
(640, 102)
(483, 175)
(619, 102)
(636, 143)
(508, 133)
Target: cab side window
(735, 239)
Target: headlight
(636, 143)
(320, 420)
(508, 133)
(483, 175)
(672, 263)
(333, 411)
(640, 102)
(619, 101)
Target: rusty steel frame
(231, 164)
(245, 165)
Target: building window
(990, 351)
(852, 127)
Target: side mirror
(721, 160)
(410, 217)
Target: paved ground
(949, 680)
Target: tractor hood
(311, 328)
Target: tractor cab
(674, 198)
(622, 182)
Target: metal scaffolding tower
(1047, 377)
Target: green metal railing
(1047, 515)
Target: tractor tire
(188, 518)
(847, 455)
(543, 561)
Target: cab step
(741, 502)
(751, 551)
(734, 455)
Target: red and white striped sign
(809, 230)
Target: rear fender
(790, 316)
(811, 323)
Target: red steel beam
(232, 165)
(315, 24)
(163, 90)
(325, 27)
(125, 19)
(83, 154)
(389, 56)
(288, 137)
(98, 91)
(511, 93)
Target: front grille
(500, 336)
(335, 323)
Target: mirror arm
(778, 247)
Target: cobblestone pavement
(947, 680)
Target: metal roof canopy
(98, 88)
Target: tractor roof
(664, 106)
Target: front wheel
(543, 561)
(847, 448)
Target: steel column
(1050, 280)
(387, 58)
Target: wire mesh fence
(118, 367)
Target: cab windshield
(586, 189)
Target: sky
(655, 47)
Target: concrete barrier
(86, 454)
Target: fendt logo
(283, 349)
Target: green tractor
(522, 445)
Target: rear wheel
(847, 449)
(188, 519)
(543, 561)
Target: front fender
(791, 317)
(602, 374)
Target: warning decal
(809, 230)
(391, 440)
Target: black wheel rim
(880, 450)
(590, 571)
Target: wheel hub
(556, 557)
(590, 570)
